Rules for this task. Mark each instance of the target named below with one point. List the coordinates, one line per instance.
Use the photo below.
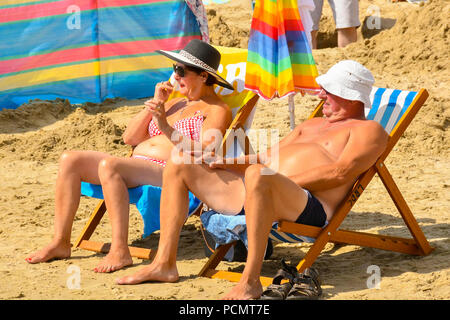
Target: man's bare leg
(73, 167)
(346, 36)
(269, 198)
(219, 189)
(116, 176)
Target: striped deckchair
(242, 103)
(394, 110)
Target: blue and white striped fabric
(388, 107)
(280, 236)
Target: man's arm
(365, 145)
(240, 164)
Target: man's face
(333, 104)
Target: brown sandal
(306, 286)
(278, 290)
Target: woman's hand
(163, 91)
(158, 111)
(156, 105)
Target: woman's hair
(209, 81)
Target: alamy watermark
(74, 19)
(373, 282)
(374, 19)
(237, 145)
(74, 279)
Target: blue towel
(147, 200)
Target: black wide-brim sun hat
(201, 55)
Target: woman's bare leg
(74, 167)
(219, 189)
(269, 198)
(116, 176)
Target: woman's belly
(158, 147)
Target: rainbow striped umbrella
(279, 61)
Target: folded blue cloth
(147, 199)
(225, 228)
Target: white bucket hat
(350, 80)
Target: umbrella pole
(292, 111)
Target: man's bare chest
(331, 140)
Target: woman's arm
(137, 129)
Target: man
(317, 164)
(346, 19)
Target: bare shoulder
(218, 107)
(372, 127)
(370, 131)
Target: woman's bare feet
(52, 251)
(115, 260)
(152, 272)
(245, 291)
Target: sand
(410, 51)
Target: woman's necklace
(186, 106)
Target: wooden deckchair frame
(417, 245)
(84, 241)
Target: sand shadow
(372, 26)
(190, 245)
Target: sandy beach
(409, 51)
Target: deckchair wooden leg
(141, 253)
(209, 270)
(215, 258)
(92, 223)
(364, 239)
(336, 221)
(313, 252)
(403, 208)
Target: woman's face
(190, 81)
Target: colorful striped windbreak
(279, 61)
(88, 50)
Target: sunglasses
(179, 70)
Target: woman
(154, 132)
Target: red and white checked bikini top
(189, 127)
